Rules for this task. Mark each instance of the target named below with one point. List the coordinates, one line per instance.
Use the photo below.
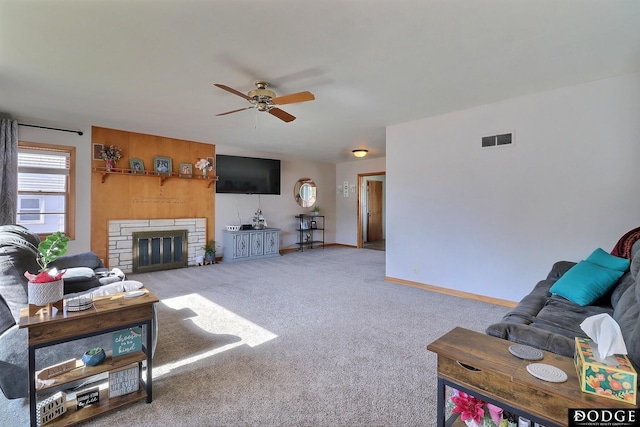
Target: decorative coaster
(547, 372)
(526, 352)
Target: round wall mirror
(305, 192)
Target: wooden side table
(109, 314)
(481, 365)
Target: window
(46, 194)
(30, 209)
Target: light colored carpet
(307, 339)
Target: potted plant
(315, 210)
(204, 165)
(210, 252)
(94, 356)
(111, 154)
(47, 286)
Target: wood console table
(481, 365)
(109, 314)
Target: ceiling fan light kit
(360, 152)
(263, 99)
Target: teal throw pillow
(604, 259)
(585, 282)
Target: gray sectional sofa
(550, 322)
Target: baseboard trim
(453, 292)
(326, 245)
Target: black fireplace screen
(159, 250)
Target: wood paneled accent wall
(131, 196)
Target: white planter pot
(44, 293)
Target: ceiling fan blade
(233, 91)
(282, 115)
(293, 98)
(234, 111)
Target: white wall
(82, 143)
(279, 211)
(492, 221)
(347, 207)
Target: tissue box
(616, 380)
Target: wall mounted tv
(247, 175)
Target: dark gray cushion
(627, 314)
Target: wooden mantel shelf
(162, 178)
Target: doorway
(371, 210)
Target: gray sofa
(551, 322)
(85, 273)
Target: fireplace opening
(159, 250)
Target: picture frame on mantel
(186, 170)
(162, 165)
(136, 165)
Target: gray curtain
(8, 171)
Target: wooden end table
(482, 366)
(109, 314)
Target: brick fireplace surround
(121, 240)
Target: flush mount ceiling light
(360, 152)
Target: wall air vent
(497, 140)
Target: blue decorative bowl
(93, 359)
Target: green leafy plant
(210, 248)
(49, 250)
(94, 350)
(315, 209)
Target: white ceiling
(149, 66)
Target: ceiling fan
(264, 99)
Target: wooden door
(374, 211)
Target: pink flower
(468, 407)
(496, 413)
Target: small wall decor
(162, 165)
(97, 151)
(314, 225)
(186, 170)
(136, 165)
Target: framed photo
(212, 162)
(162, 165)
(314, 225)
(136, 165)
(97, 148)
(186, 170)
(305, 225)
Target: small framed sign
(314, 225)
(51, 408)
(124, 381)
(87, 397)
(127, 341)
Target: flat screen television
(247, 175)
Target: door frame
(362, 202)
